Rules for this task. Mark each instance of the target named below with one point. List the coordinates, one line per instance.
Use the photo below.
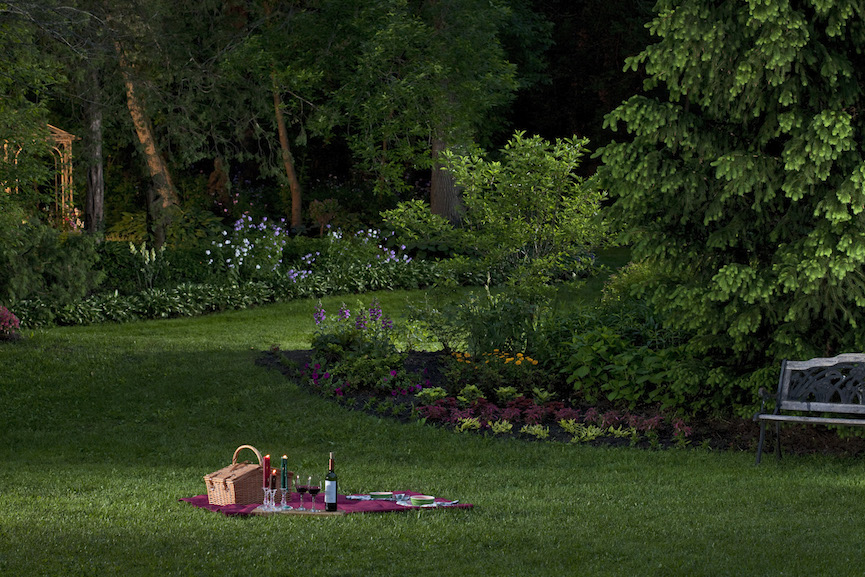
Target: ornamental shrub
(529, 215)
(39, 261)
(422, 233)
(9, 323)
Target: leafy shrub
(503, 320)
(631, 359)
(529, 214)
(358, 353)
(9, 323)
(422, 233)
(39, 261)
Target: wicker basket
(236, 484)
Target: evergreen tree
(743, 179)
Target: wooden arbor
(64, 210)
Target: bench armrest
(766, 396)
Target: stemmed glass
(301, 489)
(314, 486)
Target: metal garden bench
(822, 391)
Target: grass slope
(103, 428)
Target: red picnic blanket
(345, 504)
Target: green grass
(103, 428)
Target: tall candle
(285, 472)
(266, 469)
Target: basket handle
(254, 450)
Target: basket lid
(235, 472)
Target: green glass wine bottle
(330, 487)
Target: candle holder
(283, 504)
(269, 497)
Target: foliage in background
(38, 260)
(741, 177)
(531, 217)
(417, 73)
(189, 226)
(26, 76)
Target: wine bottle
(330, 487)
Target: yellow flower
(519, 354)
(519, 362)
(534, 362)
(509, 359)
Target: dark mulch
(717, 433)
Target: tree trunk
(94, 209)
(444, 193)
(164, 194)
(287, 160)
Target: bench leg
(760, 444)
(778, 440)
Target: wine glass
(314, 487)
(301, 489)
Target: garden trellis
(61, 150)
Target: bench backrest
(835, 384)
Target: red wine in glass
(314, 487)
(300, 489)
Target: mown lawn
(103, 428)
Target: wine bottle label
(330, 491)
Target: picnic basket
(238, 483)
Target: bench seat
(821, 391)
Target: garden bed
(713, 433)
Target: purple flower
(374, 311)
(393, 372)
(319, 315)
